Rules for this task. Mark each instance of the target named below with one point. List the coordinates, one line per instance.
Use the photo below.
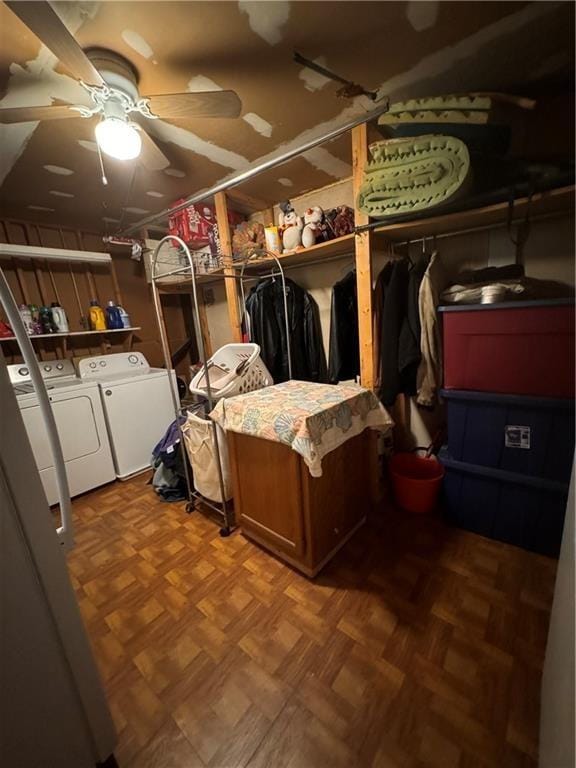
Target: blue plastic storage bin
(528, 435)
(525, 511)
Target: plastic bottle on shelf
(113, 317)
(59, 318)
(96, 316)
(46, 321)
(35, 314)
(26, 316)
(125, 317)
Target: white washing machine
(137, 406)
(79, 416)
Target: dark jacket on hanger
(397, 316)
(409, 353)
(344, 355)
(265, 307)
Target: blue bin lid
(522, 401)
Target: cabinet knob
(336, 530)
(108, 392)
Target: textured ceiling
(400, 49)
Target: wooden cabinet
(301, 519)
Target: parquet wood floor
(417, 646)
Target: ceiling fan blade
(152, 156)
(200, 104)
(44, 22)
(32, 114)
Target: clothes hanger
(410, 262)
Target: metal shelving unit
(235, 271)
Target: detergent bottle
(125, 317)
(26, 316)
(48, 325)
(34, 314)
(59, 318)
(96, 316)
(113, 317)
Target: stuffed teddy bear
(341, 220)
(312, 226)
(291, 226)
(248, 238)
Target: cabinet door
(267, 492)
(339, 500)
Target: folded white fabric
(472, 294)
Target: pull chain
(104, 179)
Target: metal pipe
(456, 232)
(64, 532)
(243, 176)
(180, 271)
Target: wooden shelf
(74, 333)
(543, 204)
(554, 201)
(340, 246)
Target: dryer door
(76, 428)
(83, 438)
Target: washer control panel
(109, 366)
(50, 369)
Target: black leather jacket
(344, 355)
(265, 309)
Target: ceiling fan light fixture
(118, 138)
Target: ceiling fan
(112, 84)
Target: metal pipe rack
(224, 509)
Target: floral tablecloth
(313, 419)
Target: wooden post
(116, 284)
(231, 285)
(90, 283)
(21, 281)
(205, 329)
(363, 246)
(128, 341)
(37, 270)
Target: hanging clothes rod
(471, 230)
(259, 276)
(249, 173)
(311, 263)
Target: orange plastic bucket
(416, 481)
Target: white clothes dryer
(137, 406)
(79, 416)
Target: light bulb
(118, 138)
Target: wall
(136, 293)
(217, 314)
(558, 711)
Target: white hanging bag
(199, 438)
